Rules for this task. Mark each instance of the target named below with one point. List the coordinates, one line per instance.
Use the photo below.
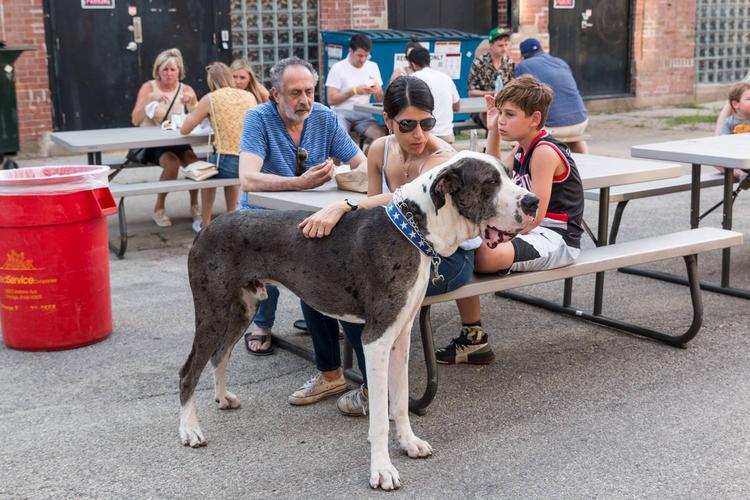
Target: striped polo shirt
(264, 134)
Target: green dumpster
(8, 106)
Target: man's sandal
(260, 338)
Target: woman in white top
(393, 161)
(158, 101)
(406, 69)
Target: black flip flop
(260, 338)
(300, 324)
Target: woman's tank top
(227, 115)
(178, 108)
(385, 187)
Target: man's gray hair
(277, 72)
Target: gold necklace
(406, 170)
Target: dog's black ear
(447, 182)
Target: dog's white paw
(384, 476)
(415, 447)
(192, 435)
(228, 402)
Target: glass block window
(265, 31)
(722, 50)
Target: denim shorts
(457, 270)
(229, 166)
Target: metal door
(593, 37)
(101, 56)
(473, 16)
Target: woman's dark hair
(413, 44)
(407, 91)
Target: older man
(287, 145)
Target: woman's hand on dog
(322, 222)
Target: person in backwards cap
(567, 115)
(492, 70)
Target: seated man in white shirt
(443, 89)
(352, 81)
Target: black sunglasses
(301, 159)
(408, 125)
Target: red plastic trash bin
(54, 257)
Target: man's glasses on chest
(301, 159)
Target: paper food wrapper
(351, 180)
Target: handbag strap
(217, 148)
(166, 115)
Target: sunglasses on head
(408, 125)
(301, 159)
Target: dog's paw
(415, 447)
(385, 477)
(228, 402)
(192, 435)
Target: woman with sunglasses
(392, 161)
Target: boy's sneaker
(354, 403)
(317, 388)
(471, 346)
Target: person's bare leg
(332, 375)
(170, 166)
(469, 310)
(492, 260)
(579, 147)
(208, 196)
(232, 197)
(186, 158)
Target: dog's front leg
(382, 472)
(398, 385)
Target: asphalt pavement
(569, 410)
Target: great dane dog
(369, 270)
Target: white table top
(107, 139)
(596, 172)
(468, 105)
(731, 151)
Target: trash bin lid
(48, 179)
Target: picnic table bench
(687, 244)
(123, 191)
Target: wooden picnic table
(728, 151)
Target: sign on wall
(564, 4)
(97, 4)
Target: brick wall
(22, 24)
(664, 48)
(353, 14)
(663, 51)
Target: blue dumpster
(452, 52)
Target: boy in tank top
(545, 167)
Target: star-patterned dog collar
(409, 230)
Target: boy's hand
(492, 112)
